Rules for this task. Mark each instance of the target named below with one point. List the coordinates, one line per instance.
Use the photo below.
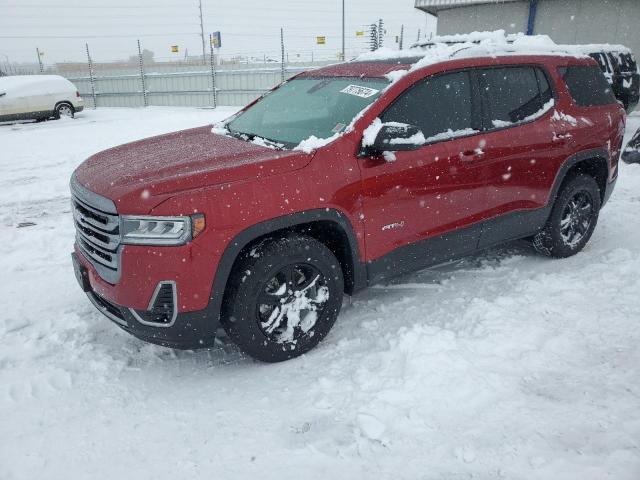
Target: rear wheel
(64, 110)
(284, 296)
(572, 220)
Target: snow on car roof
(499, 37)
(472, 45)
(598, 47)
(479, 44)
(21, 82)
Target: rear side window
(513, 94)
(440, 106)
(587, 85)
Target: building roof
(434, 6)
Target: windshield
(306, 106)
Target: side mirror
(391, 137)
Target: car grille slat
(97, 236)
(101, 220)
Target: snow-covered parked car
(38, 97)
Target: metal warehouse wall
(565, 21)
(512, 17)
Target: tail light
(77, 94)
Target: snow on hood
(181, 161)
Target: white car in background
(24, 97)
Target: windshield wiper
(250, 137)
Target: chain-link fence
(142, 79)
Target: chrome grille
(97, 231)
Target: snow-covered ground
(506, 365)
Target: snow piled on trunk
(502, 365)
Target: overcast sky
(60, 28)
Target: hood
(152, 169)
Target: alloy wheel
(290, 303)
(65, 111)
(576, 218)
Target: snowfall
(504, 365)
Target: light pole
(343, 56)
(202, 31)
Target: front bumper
(189, 330)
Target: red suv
(337, 179)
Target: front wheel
(572, 220)
(284, 295)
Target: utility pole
(40, 59)
(401, 35)
(213, 73)
(343, 55)
(380, 33)
(419, 32)
(202, 31)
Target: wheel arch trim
(599, 154)
(64, 102)
(254, 232)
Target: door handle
(471, 155)
(561, 137)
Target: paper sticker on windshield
(338, 127)
(358, 91)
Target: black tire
(263, 311)
(64, 109)
(572, 220)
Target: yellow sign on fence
(321, 40)
(360, 33)
(174, 48)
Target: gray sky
(60, 28)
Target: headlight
(145, 230)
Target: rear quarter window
(513, 94)
(587, 85)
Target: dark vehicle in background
(631, 153)
(621, 71)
